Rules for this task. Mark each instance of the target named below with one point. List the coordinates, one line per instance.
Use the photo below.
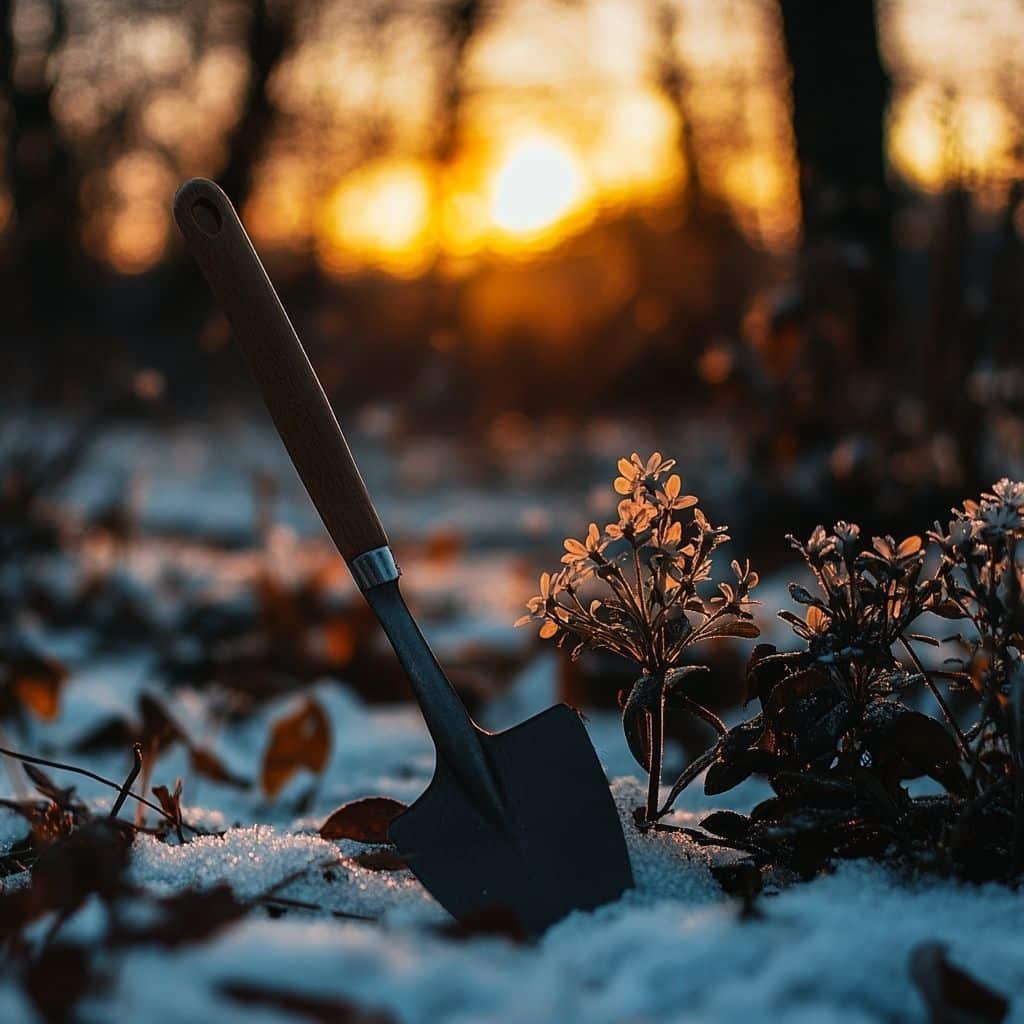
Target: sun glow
(379, 214)
(539, 182)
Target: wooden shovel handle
(290, 387)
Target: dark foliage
(835, 735)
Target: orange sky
(563, 121)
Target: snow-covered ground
(675, 949)
(324, 932)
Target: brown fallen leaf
(299, 740)
(365, 821)
(380, 860)
(37, 687)
(206, 763)
(184, 918)
(159, 730)
(63, 797)
(56, 980)
(950, 993)
(323, 1009)
(171, 803)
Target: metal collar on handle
(372, 568)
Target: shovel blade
(558, 848)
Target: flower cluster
(648, 566)
(869, 597)
(982, 578)
(643, 575)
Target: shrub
(834, 733)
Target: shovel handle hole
(207, 217)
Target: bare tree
(40, 170)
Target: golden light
(539, 182)
(637, 156)
(379, 214)
(918, 146)
(761, 188)
(137, 236)
(986, 135)
(936, 139)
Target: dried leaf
(63, 798)
(57, 979)
(89, 860)
(40, 694)
(171, 803)
(159, 730)
(299, 740)
(207, 764)
(301, 1006)
(184, 918)
(380, 860)
(365, 821)
(951, 995)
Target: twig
(281, 901)
(708, 839)
(268, 897)
(127, 785)
(28, 759)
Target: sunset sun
(537, 184)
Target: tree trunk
(41, 176)
(840, 91)
(268, 40)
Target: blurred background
(780, 240)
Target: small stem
(695, 767)
(656, 718)
(283, 903)
(705, 839)
(28, 759)
(947, 713)
(127, 784)
(639, 580)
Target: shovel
(518, 822)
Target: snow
(676, 948)
(835, 949)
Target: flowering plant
(634, 588)
(982, 577)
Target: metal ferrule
(372, 568)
